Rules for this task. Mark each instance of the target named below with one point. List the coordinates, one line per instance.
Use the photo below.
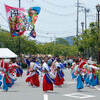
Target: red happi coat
(5, 68)
(12, 69)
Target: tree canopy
(89, 41)
(58, 47)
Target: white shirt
(45, 66)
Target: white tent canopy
(7, 53)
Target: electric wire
(55, 5)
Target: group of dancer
(9, 71)
(51, 71)
(84, 72)
(52, 75)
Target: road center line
(45, 97)
(69, 82)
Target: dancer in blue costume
(92, 81)
(87, 81)
(97, 80)
(0, 80)
(79, 80)
(84, 72)
(87, 76)
(73, 71)
(84, 76)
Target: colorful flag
(33, 13)
(16, 20)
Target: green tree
(62, 41)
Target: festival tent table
(7, 53)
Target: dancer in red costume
(33, 77)
(47, 80)
(4, 66)
(59, 80)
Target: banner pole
(19, 37)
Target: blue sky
(57, 17)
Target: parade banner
(33, 13)
(16, 20)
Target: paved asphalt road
(21, 91)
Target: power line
(59, 32)
(44, 36)
(52, 36)
(46, 10)
(52, 32)
(55, 5)
(4, 18)
(42, 30)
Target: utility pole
(98, 52)
(19, 37)
(77, 21)
(77, 18)
(55, 39)
(86, 11)
(51, 39)
(19, 3)
(82, 24)
(85, 20)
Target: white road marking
(45, 97)
(97, 88)
(79, 95)
(69, 82)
